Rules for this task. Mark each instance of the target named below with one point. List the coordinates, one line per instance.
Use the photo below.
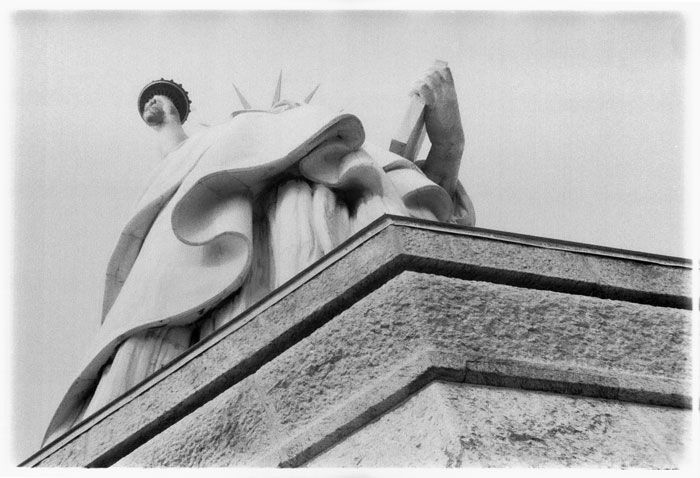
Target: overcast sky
(574, 129)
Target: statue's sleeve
(418, 192)
(462, 207)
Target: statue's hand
(442, 120)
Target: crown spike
(278, 90)
(311, 95)
(241, 98)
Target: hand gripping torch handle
(411, 132)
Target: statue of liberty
(239, 208)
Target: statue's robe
(191, 244)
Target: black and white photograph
(353, 238)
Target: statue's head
(162, 101)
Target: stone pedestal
(422, 344)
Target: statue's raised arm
(443, 125)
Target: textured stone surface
(549, 265)
(237, 425)
(458, 425)
(329, 384)
(365, 262)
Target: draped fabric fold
(190, 242)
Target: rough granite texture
(592, 272)
(576, 332)
(368, 347)
(460, 425)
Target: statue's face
(156, 109)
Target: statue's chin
(154, 117)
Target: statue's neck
(170, 136)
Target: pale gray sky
(574, 127)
